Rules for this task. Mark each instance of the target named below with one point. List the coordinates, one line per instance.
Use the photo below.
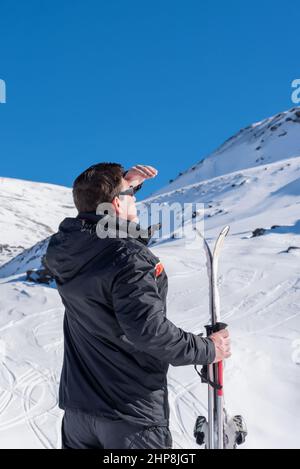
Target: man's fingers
(142, 168)
(226, 343)
(148, 171)
(222, 343)
(224, 333)
(146, 167)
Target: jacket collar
(118, 226)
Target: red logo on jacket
(159, 268)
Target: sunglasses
(131, 190)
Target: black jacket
(118, 343)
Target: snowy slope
(28, 259)
(260, 300)
(252, 198)
(270, 140)
(29, 212)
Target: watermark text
(2, 92)
(296, 92)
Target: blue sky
(160, 82)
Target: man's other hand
(222, 343)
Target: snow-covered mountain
(273, 139)
(29, 212)
(259, 287)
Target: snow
(259, 289)
(273, 139)
(29, 212)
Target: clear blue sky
(160, 82)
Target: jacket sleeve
(140, 312)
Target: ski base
(235, 432)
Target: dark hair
(98, 184)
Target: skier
(118, 342)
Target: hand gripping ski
(217, 431)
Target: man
(118, 342)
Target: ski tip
(225, 230)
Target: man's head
(102, 183)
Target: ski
(218, 431)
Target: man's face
(126, 208)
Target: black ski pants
(85, 431)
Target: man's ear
(116, 204)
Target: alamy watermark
(155, 221)
(296, 93)
(2, 92)
(296, 352)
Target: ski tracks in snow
(31, 355)
(260, 300)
